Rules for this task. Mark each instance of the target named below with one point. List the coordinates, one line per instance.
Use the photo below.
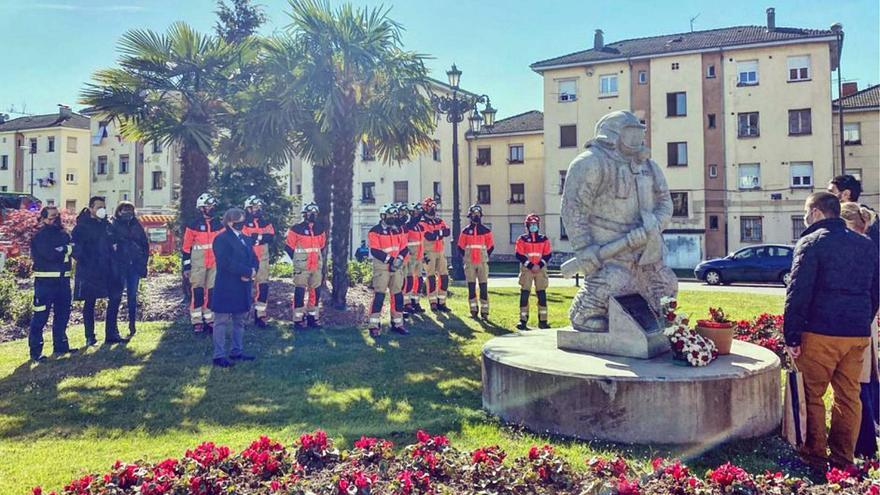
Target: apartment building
(427, 174)
(736, 117)
(47, 155)
(861, 139)
(506, 172)
(145, 173)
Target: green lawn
(159, 395)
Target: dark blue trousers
(50, 294)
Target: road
(778, 290)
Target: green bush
(360, 272)
(20, 266)
(281, 270)
(16, 305)
(164, 264)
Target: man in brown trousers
(833, 296)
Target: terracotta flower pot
(719, 333)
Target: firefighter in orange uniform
(533, 254)
(415, 235)
(387, 242)
(199, 266)
(475, 245)
(305, 246)
(436, 269)
(262, 233)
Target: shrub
(19, 226)
(16, 305)
(169, 263)
(359, 272)
(280, 269)
(20, 266)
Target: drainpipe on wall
(838, 30)
(725, 203)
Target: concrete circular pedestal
(528, 381)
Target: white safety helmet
(310, 208)
(206, 199)
(388, 209)
(253, 201)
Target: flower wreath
(687, 345)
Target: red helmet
(429, 203)
(532, 218)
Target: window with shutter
(799, 68)
(747, 73)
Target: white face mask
(101, 213)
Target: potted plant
(718, 328)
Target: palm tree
(174, 88)
(342, 77)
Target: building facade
(861, 143)
(144, 173)
(734, 115)
(49, 155)
(505, 166)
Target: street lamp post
(455, 107)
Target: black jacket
(235, 259)
(834, 287)
(132, 247)
(92, 251)
(44, 252)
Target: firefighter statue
(615, 205)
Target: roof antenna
(694, 18)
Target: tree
(341, 77)
(238, 22)
(174, 88)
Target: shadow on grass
(338, 379)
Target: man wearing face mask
(829, 306)
(475, 245)
(415, 235)
(236, 268)
(436, 268)
(262, 234)
(131, 250)
(199, 267)
(615, 205)
(92, 250)
(305, 245)
(533, 252)
(388, 250)
(50, 252)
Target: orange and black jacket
(306, 239)
(415, 235)
(199, 236)
(435, 231)
(474, 239)
(261, 232)
(387, 243)
(533, 249)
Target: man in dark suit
(236, 267)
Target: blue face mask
(533, 228)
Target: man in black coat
(50, 252)
(829, 305)
(236, 268)
(92, 249)
(848, 189)
(131, 251)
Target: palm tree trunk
(321, 190)
(340, 235)
(194, 173)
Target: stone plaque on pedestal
(633, 331)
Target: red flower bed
(765, 331)
(311, 465)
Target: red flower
(626, 487)
(657, 463)
(37, 491)
(533, 453)
(422, 437)
(343, 486)
(543, 473)
(727, 475)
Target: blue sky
(51, 47)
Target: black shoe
(59, 354)
(443, 307)
(484, 316)
(223, 363)
(475, 315)
(417, 308)
(115, 340)
(260, 322)
(92, 341)
(312, 322)
(543, 324)
(198, 328)
(435, 308)
(522, 325)
(242, 357)
(39, 359)
(401, 330)
(375, 332)
(209, 328)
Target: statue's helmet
(609, 129)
